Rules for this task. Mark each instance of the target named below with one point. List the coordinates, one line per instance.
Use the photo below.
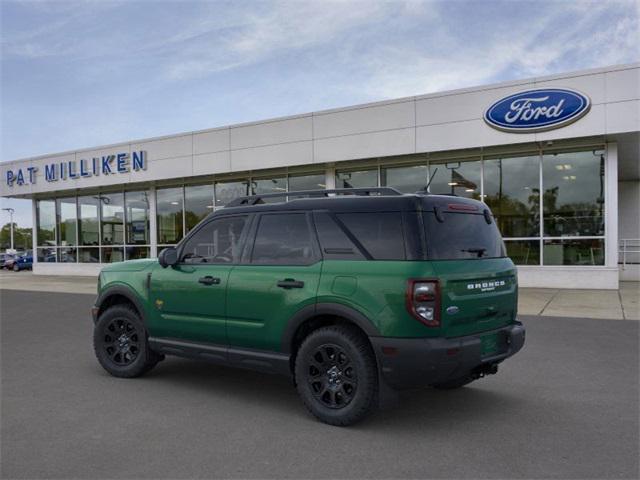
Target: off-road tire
(347, 394)
(455, 383)
(124, 358)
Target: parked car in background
(23, 262)
(7, 260)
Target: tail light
(423, 301)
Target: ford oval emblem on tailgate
(452, 310)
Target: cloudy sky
(80, 74)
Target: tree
(21, 237)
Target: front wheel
(336, 375)
(121, 345)
(16, 268)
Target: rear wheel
(16, 268)
(336, 375)
(121, 345)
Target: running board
(260, 360)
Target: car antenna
(426, 187)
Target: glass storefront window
(46, 218)
(133, 253)
(456, 178)
(357, 179)
(169, 207)
(47, 255)
(523, 252)
(228, 191)
(573, 198)
(406, 179)
(67, 255)
(299, 183)
(67, 221)
(198, 203)
(269, 185)
(88, 255)
(137, 218)
(574, 251)
(512, 191)
(112, 254)
(112, 218)
(88, 220)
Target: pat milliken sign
(537, 110)
(105, 165)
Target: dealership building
(556, 158)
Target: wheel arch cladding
(119, 295)
(313, 317)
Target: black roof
(388, 200)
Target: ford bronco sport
(354, 293)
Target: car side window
(216, 242)
(283, 239)
(381, 234)
(334, 242)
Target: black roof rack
(257, 199)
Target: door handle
(209, 280)
(290, 283)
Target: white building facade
(556, 158)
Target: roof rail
(258, 199)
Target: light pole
(11, 212)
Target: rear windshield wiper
(479, 251)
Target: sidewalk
(623, 304)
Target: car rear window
(461, 235)
(381, 234)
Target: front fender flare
(121, 290)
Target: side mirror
(168, 257)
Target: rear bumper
(417, 362)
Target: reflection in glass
(134, 253)
(137, 217)
(573, 198)
(269, 185)
(406, 179)
(67, 212)
(88, 255)
(523, 252)
(46, 218)
(359, 179)
(88, 220)
(574, 252)
(47, 255)
(112, 254)
(198, 203)
(307, 182)
(169, 206)
(456, 178)
(227, 191)
(67, 255)
(112, 218)
(512, 191)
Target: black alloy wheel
(121, 341)
(332, 376)
(336, 374)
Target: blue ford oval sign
(537, 110)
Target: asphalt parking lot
(565, 407)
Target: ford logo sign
(537, 110)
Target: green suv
(355, 294)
